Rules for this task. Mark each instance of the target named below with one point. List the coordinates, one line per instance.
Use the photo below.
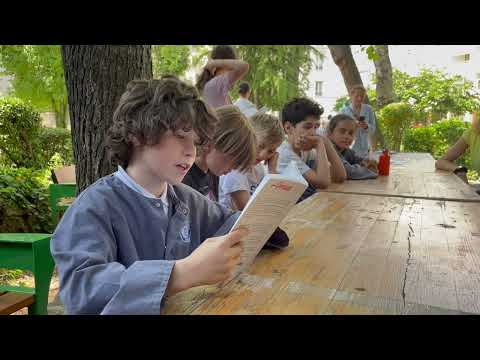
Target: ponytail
(204, 77)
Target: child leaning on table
(139, 235)
(341, 131)
(314, 154)
(236, 187)
(232, 146)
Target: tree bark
(96, 76)
(343, 58)
(383, 70)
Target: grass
(7, 275)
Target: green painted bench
(26, 252)
(62, 191)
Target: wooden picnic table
(358, 254)
(412, 175)
(362, 254)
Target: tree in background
(37, 77)
(96, 77)
(170, 59)
(395, 120)
(277, 73)
(385, 93)
(433, 94)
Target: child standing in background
(219, 76)
(365, 117)
(246, 106)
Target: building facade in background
(326, 83)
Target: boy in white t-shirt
(246, 106)
(315, 156)
(236, 187)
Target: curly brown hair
(149, 108)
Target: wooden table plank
(362, 255)
(412, 175)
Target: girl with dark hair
(342, 130)
(219, 75)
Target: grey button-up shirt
(115, 248)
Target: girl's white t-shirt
(238, 181)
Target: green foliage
(371, 51)
(24, 205)
(395, 119)
(273, 80)
(372, 99)
(170, 59)
(421, 139)
(436, 139)
(433, 93)
(449, 131)
(19, 126)
(54, 142)
(341, 102)
(7, 275)
(25, 143)
(37, 72)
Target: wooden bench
(11, 302)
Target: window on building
(318, 88)
(319, 62)
(463, 58)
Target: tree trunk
(96, 76)
(383, 70)
(343, 58)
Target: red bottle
(384, 163)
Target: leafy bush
(25, 143)
(422, 139)
(24, 205)
(395, 119)
(449, 131)
(53, 141)
(434, 93)
(437, 138)
(19, 126)
(341, 102)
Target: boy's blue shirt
(115, 248)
